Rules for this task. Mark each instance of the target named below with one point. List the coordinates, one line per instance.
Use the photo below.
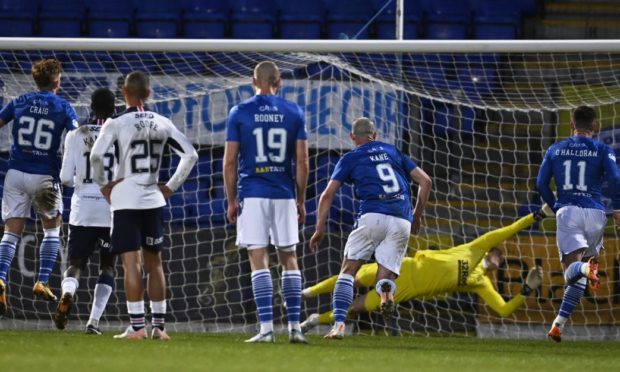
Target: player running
(431, 273)
(380, 174)
(579, 165)
(265, 134)
(140, 137)
(89, 221)
(39, 120)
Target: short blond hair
(138, 84)
(363, 127)
(267, 72)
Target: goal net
(477, 117)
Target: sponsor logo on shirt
(269, 169)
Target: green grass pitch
(46, 351)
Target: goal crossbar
(342, 46)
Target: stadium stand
(17, 18)
(157, 19)
(256, 19)
(346, 19)
(301, 20)
(253, 19)
(110, 18)
(205, 19)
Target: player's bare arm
(231, 152)
(424, 190)
(301, 177)
(325, 203)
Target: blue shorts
(133, 229)
(83, 240)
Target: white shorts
(24, 190)
(385, 236)
(580, 228)
(262, 221)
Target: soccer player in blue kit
(380, 175)
(265, 134)
(39, 120)
(579, 165)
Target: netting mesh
(478, 123)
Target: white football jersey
(140, 138)
(88, 207)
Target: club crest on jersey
(264, 108)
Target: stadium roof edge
(367, 46)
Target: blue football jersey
(380, 176)
(39, 119)
(267, 128)
(579, 165)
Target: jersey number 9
(386, 173)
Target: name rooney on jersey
(268, 118)
(581, 153)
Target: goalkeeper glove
(532, 281)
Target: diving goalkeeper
(429, 273)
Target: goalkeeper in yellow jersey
(429, 273)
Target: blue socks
(343, 297)
(291, 289)
(8, 246)
(48, 253)
(263, 295)
(572, 296)
(576, 283)
(574, 271)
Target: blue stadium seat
(322, 167)
(253, 19)
(157, 19)
(477, 75)
(311, 209)
(436, 118)
(213, 213)
(347, 18)
(301, 20)
(205, 19)
(62, 18)
(447, 19)
(174, 211)
(17, 18)
(498, 19)
(110, 18)
(386, 21)
(344, 208)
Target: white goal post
(476, 115)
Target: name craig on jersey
(580, 153)
(268, 118)
(38, 110)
